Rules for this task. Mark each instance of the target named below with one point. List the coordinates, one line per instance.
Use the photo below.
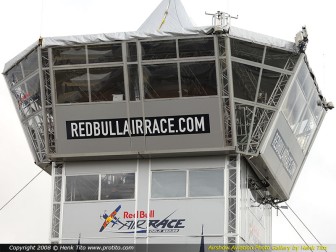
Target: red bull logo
(141, 222)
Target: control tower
(169, 134)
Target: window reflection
(163, 49)
(206, 183)
(280, 58)
(245, 80)
(247, 50)
(117, 186)
(269, 80)
(196, 47)
(14, 75)
(69, 55)
(131, 51)
(30, 63)
(107, 84)
(133, 82)
(105, 53)
(28, 96)
(81, 188)
(198, 79)
(72, 86)
(160, 81)
(168, 184)
(305, 130)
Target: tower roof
(169, 16)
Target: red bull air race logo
(140, 222)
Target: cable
(294, 228)
(291, 210)
(304, 225)
(21, 190)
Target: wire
(292, 211)
(304, 225)
(294, 228)
(21, 190)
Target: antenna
(221, 21)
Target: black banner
(138, 126)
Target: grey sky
(27, 218)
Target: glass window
(269, 80)
(30, 63)
(280, 58)
(131, 51)
(117, 186)
(245, 81)
(28, 96)
(305, 130)
(206, 183)
(107, 84)
(314, 107)
(198, 79)
(196, 47)
(163, 49)
(289, 103)
(160, 81)
(297, 109)
(166, 184)
(305, 80)
(105, 53)
(80, 188)
(14, 75)
(72, 86)
(133, 83)
(69, 55)
(247, 50)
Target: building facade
(157, 136)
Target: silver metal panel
(284, 161)
(208, 135)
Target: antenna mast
(221, 21)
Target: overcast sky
(27, 218)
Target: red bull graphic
(109, 218)
(141, 222)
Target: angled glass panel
(245, 81)
(314, 106)
(305, 80)
(105, 53)
(305, 130)
(28, 96)
(167, 184)
(162, 49)
(160, 81)
(294, 106)
(269, 80)
(14, 75)
(30, 63)
(107, 84)
(131, 50)
(133, 83)
(196, 47)
(198, 78)
(117, 186)
(280, 58)
(247, 50)
(204, 183)
(69, 55)
(72, 86)
(82, 188)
